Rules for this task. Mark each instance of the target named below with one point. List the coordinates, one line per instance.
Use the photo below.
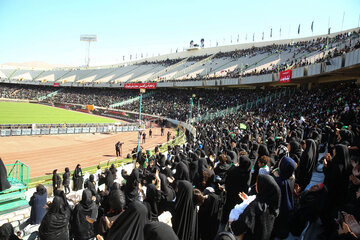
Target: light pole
(139, 135)
(190, 115)
(198, 112)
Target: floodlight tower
(88, 38)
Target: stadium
(245, 140)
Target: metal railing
(210, 116)
(18, 172)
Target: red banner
(140, 85)
(56, 84)
(285, 76)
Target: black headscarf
(311, 206)
(254, 152)
(225, 236)
(182, 172)
(237, 180)
(159, 231)
(337, 174)
(131, 186)
(4, 184)
(184, 220)
(109, 179)
(116, 200)
(151, 202)
(167, 191)
(287, 168)
(258, 218)
(307, 164)
(7, 232)
(209, 216)
(77, 178)
(263, 150)
(55, 224)
(130, 224)
(295, 151)
(81, 228)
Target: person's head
(243, 153)
(92, 178)
(67, 169)
(98, 167)
(223, 158)
(303, 144)
(225, 236)
(78, 166)
(316, 187)
(117, 200)
(40, 189)
(199, 198)
(6, 231)
(263, 160)
(54, 172)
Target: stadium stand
(292, 151)
(237, 61)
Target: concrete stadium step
(166, 70)
(195, 65)
(131, 100)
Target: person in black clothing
(257, 220)
(56, 180)
(162, 131)
(4, 184)
(184, 216)
(86, 208)
(237, 180)
(90, 184)
(66, 180)
(168, 135)
(78, 178)
(7, 232)
(130, 224)
(150, 133)
(159, 231)
(118, 148)
(55, 224)
(143, 137)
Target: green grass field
(26, 113)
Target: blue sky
(49, 30)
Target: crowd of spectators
(299, 49)
(175, 103)
(100, 97)
(247, 174)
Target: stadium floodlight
(88, 38)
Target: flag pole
(342, 23)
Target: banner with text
(140, 85)
(285, 76)
(56, 84)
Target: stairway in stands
(195, 65)
(49, 95)
(166, 70)
(131, 100)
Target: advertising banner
(26, 132)
(140, 85)
(70, 130)
(285, 76)
(36, 131)
(54, 130)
